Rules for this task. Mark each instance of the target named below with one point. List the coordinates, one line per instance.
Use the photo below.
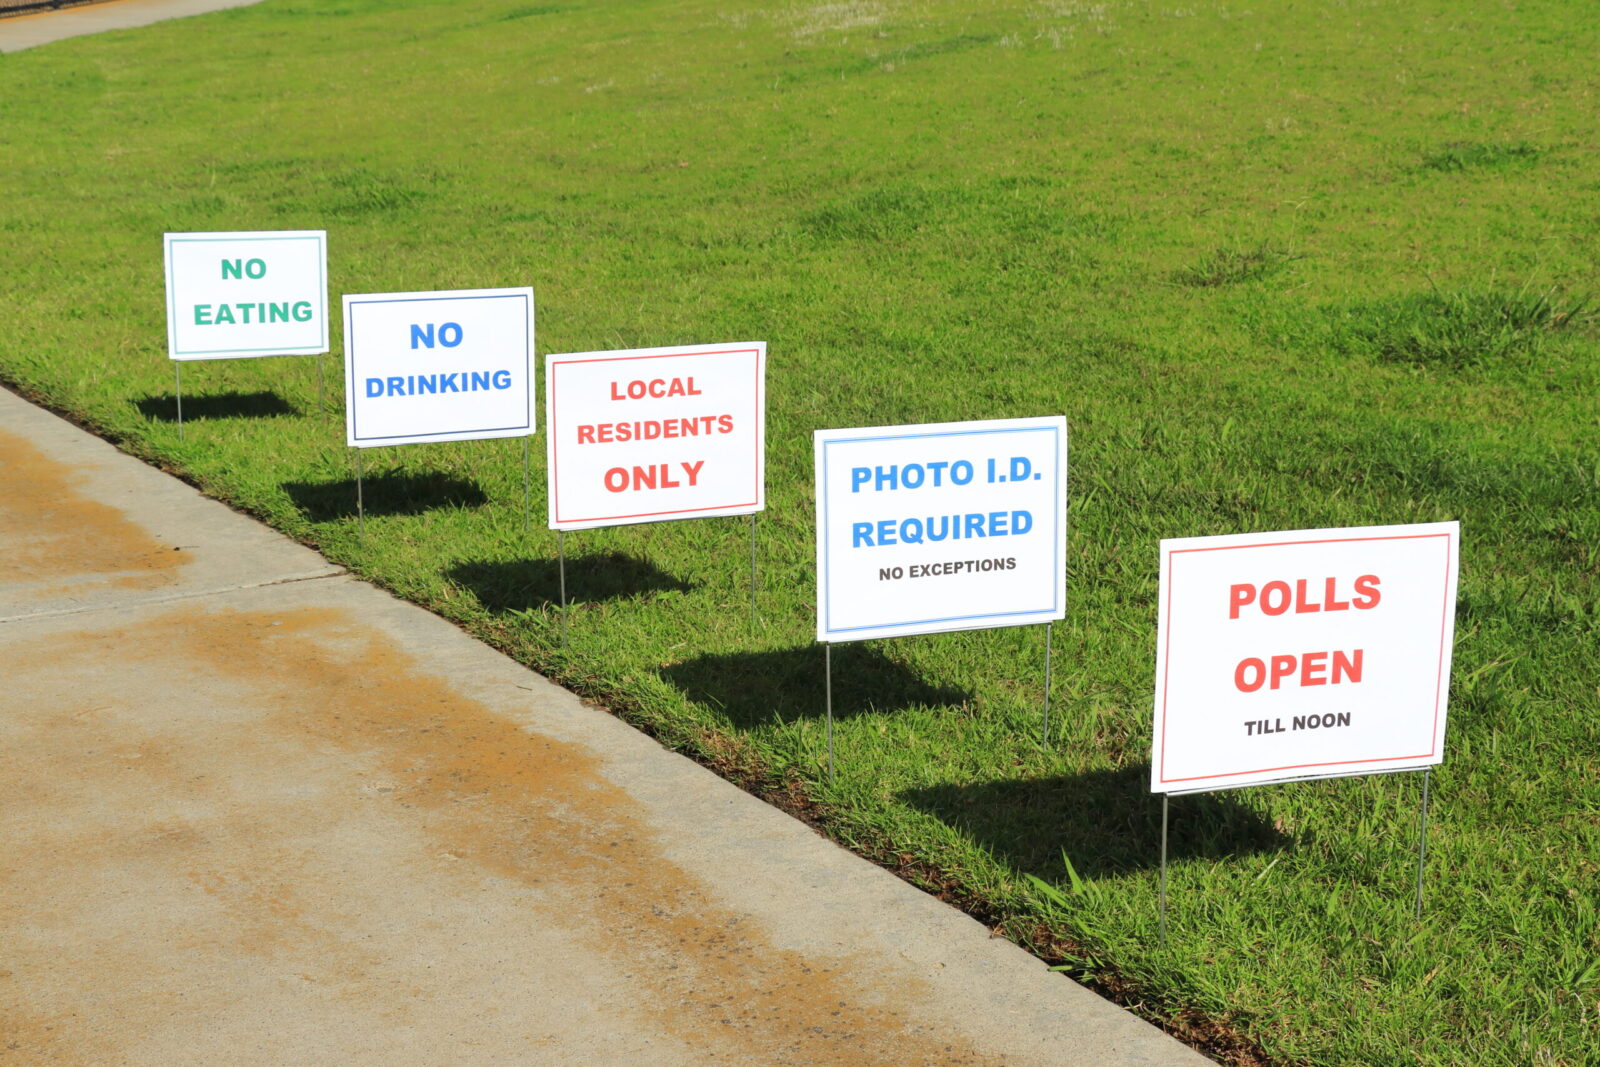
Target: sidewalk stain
(52, 531)
(521, 812)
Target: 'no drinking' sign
(1306, 654)
(943, 526)
(439, 366)
(651, 434)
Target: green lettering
(202, 314)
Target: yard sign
(1304, 654)
(941, 526)
(653, 434)
(438, 366)
(240, 295)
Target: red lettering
(617, 479)
(1282, 667)
(1367, 590)
(1252, 664)
(693, 470)
(1238, 597)
(586, 435)
(1281, 589)
(1330, 597)
(614, 394)
(1301, 605)
(1346, 666)
(657, 388)
(1313, 661)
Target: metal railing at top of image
(29, 7)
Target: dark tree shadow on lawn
(392, 493)
(518, 585)
(163, 407)
(752, 687)
(1106, 821)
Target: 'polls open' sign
(942, 526)
(239, 295)
(438, 366)
(1305, 654)
(652, 434)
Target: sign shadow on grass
(504, 586)
(754, 688)
(263, 404)
(1107, 822)
(390, 493)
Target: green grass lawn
(1311, 265)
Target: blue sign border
(827, 534)
(353, 377)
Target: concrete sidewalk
(28, 31)
(258, 812)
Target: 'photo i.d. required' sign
(1302, 654)
(438, 366)
(653, 434)
(939, 527)
(240, 295)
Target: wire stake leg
(827, 670)
(1048, 628)
(1422, 838)
(752, 568)
(1163, 870)
(361, 502)
(561, 556)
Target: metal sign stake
(827, 670)
(525, 490)
(361, 502)
(561, 556)
(1163, 870)
(177, 378)
(752, 568)
(1422, 838)
(1048, 628)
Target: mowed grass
(1314, 265)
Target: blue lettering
(860, 534)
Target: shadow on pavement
(1106, 822)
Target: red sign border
(555, 440)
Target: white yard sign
(238, 295)
(942, 526)
(440, 366)
(651, 434)
(1305, 654)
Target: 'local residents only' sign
(943, 526)
(651, 434)
(1306, 654)
(238, 295)
(441, 366)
